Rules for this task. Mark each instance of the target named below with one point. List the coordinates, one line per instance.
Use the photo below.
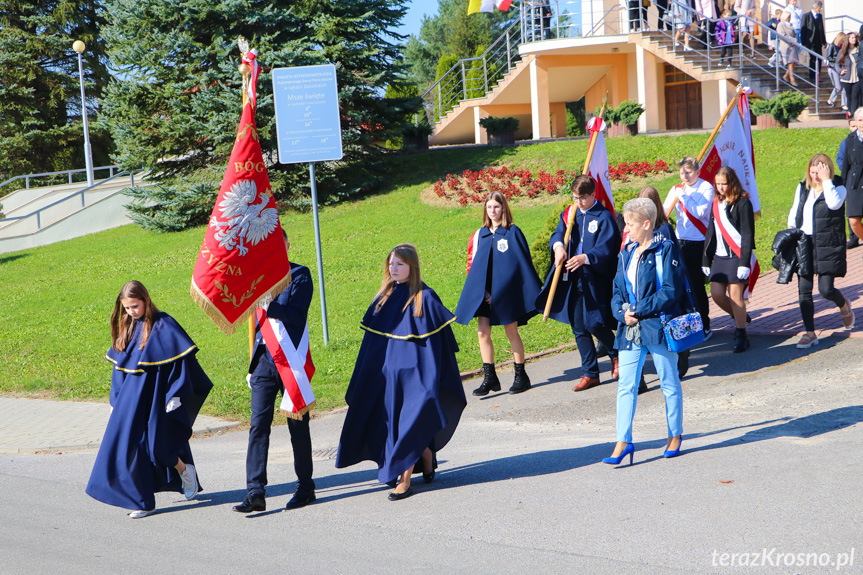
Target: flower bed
(471, 187)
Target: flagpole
(571, 219)
(711, 138)
(244, 69)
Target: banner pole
(318, 248)
(571, 220)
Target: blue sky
(416, 10)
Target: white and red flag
(598, 169)
(733, 148)
(243, 258)
(487, 5)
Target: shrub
(784, 107)
(499, 125)
(539, 248)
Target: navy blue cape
(142, 443)
(601, 243)
(514, 281)
(405, 393)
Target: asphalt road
(770, 472)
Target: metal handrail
(27, 177)
(473, 78)
(39, 211)
(739, 55)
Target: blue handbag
(684, 331)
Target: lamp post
(79, 47)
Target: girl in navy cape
(157, 388)
(405, 397)
(500, 289)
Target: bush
(784, 107)
(575, 120)
(500, 125)
(539, 248)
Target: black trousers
(807, 305)
(584, 341)
(693, 253)
(662, 8)
(266, 386)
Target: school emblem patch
(593, 226)
(502, 245)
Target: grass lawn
(57, 300)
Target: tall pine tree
(40, 102)
(175, 104)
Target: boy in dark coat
(583, 295)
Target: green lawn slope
(56, 300)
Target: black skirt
(854, 204)
(724, 270)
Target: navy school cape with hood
(406, 393)
(142, 443)
(601, 244)
(514, 281)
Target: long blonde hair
(817, 159)
(408, 254)
(123, 325)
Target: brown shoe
(615, 368)
(847, 315)
(586, 383)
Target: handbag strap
(659, 274)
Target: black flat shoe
(251, 503)
(399, 496)
(300, 500)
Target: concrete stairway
(754, 71)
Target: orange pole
(571, 220)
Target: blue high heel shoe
(673, 452)
(628, 450)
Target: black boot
(642, 386)
(521, 382)
(741, 340)
(490, 382)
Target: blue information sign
(307, 114)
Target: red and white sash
(472, 244)
(294, 365)
(699, 225)
(732, 237)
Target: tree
(451, 32)
(175, 105)
(40, 99)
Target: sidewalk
(774, 309)
(37, 425)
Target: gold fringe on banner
(216, 315)
(299, 415)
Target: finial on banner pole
(244, 68)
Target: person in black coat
(291, 309)
(500, 289)
(812, 35)
(819, 211)
(728, 247)
(852, 174)
(583, 295)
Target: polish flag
(487, 5)
(598, 169)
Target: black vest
(828, 233)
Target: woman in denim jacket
(637, 302)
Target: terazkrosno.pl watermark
(775, 558)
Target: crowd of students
(618, 286)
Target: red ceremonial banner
(243, 256)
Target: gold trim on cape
(411, 336)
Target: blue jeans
(631, 362)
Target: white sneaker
(139, 513)
(190, 482)
(687, 49)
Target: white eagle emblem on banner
(245, 221)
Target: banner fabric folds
(243, 258)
